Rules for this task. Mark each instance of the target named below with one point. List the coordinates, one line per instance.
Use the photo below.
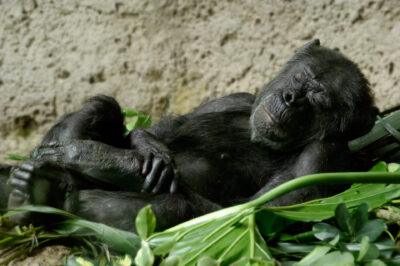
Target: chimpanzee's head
(318, 95)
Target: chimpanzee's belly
(219, 180)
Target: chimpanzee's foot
(38, 183)
(20, 180)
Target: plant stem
(325, 178)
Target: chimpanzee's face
(317, 95)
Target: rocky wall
(167, 56)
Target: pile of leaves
(339, 230)
(356, 227)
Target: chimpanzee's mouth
(270, 116)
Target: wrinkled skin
(226, 151)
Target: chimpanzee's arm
(98, 162)
(316, 157)
(159, 167)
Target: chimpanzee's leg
(100, 119)
(47, 184)
(119, 209)
(91, 145)
(4, 188)
(85, 146)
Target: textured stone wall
(166, 56)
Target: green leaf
(41, 209)
(375, 263)
(129, 112)
(16, 157)
(145, 222)
(324, 231)
(343, 219)
(295, 248)
(78, 261)
(336, 258)
(207, 261)
(135, 119)
(360, 216)
(379, 167)
(118, 240)
(378, 132)
(375, 195)
(372, 229)
(317, 253)
(269, 223)
(171, 261)
(225, 235)
(393, 167)
(144, 257)
(165, 247)
(368, 251)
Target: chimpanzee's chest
(225, 173)
(216, 158)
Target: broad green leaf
(295, 248)
(144, 256)
(41, 209)
(118, 240)
(379, 167)
(145, 222)
(360, 216)
(343, 219)
(393, 167)
(225, 235)
(207, 261)
(259, 262)
(165, 247)
(375, 195)
(386, 245)
(367, 251)
(376, 263)
(317, 253)
(372, 229)
(324, 231)
(269, 223)
(171, 261)
(336, 258)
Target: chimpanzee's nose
(289, 97)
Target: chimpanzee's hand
(158, 167)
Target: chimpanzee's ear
(309, 45)
(312, 43)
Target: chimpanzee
(226, 151)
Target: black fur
(226, 151)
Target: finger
(147, 164)
(27, 166)
(23, 175)
(52, 144)
(17, 198)
(19, 184)
(161, 181)
(47, 153)
(166, 158)
(174, 184)
(152, 176)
